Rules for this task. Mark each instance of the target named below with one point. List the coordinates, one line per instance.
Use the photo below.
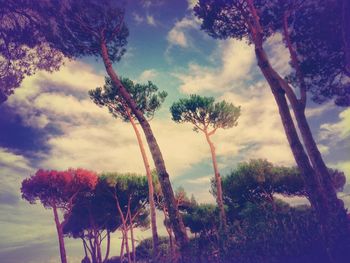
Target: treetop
(203, 112)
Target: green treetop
(147, 97)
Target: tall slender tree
(256, 21)
(148, 101)
(208, 116)
(97, 28)
(58, 190)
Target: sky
(51, 123)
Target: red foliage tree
(58, 190)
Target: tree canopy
(146, 96)
(23, 45)
(204, 113)
(57, 188)
(312, 28)
(258, 180)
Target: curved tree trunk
(313, 182)
(219, 200)
(155, 237)
(169, 197)
(338, 221)
(60, 235)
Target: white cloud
(278, 54)
(147, 75)
(318, 110)
(10, 159)
(259, 133)
(338, 131)
(191, 3)
(137, 18)
(235, 63)
(201, 180)
(151, 20)
(178, 35)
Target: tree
(202, 220)
(58, 190)
(130, 193)
(258, 181)
(207, 117)
(93, 218)
(148, 101)
(97, 28)
(256, 21)
(23, 48)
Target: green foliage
(202, 218)
(146, 96)
(94, 211)
(258, 180)
(203, 112)
(144, 250)
(276, 234)
(77, 28)
(129, 189)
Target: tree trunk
(93, 248)
(219, 199)
(126, 240)
(124, 228)
(108, 246)
(155, 237)
(338, 221)
(131, 233)
(60, 235)
(318, 182)
(121, 256)
(168, 230)
(313, 184)
(169, 197)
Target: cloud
(200, 180)
(15, 161)
(137, 18)
(191, 3)
(178, 35)
(151, 20)
(278, 54)
(337, 131)
(259, 133)
(235, 63)
(147, 75)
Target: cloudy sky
(51, 123)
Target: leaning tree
(58, 190)
(97, 28)
(310, 30)
(148, 100)
(208, 116)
